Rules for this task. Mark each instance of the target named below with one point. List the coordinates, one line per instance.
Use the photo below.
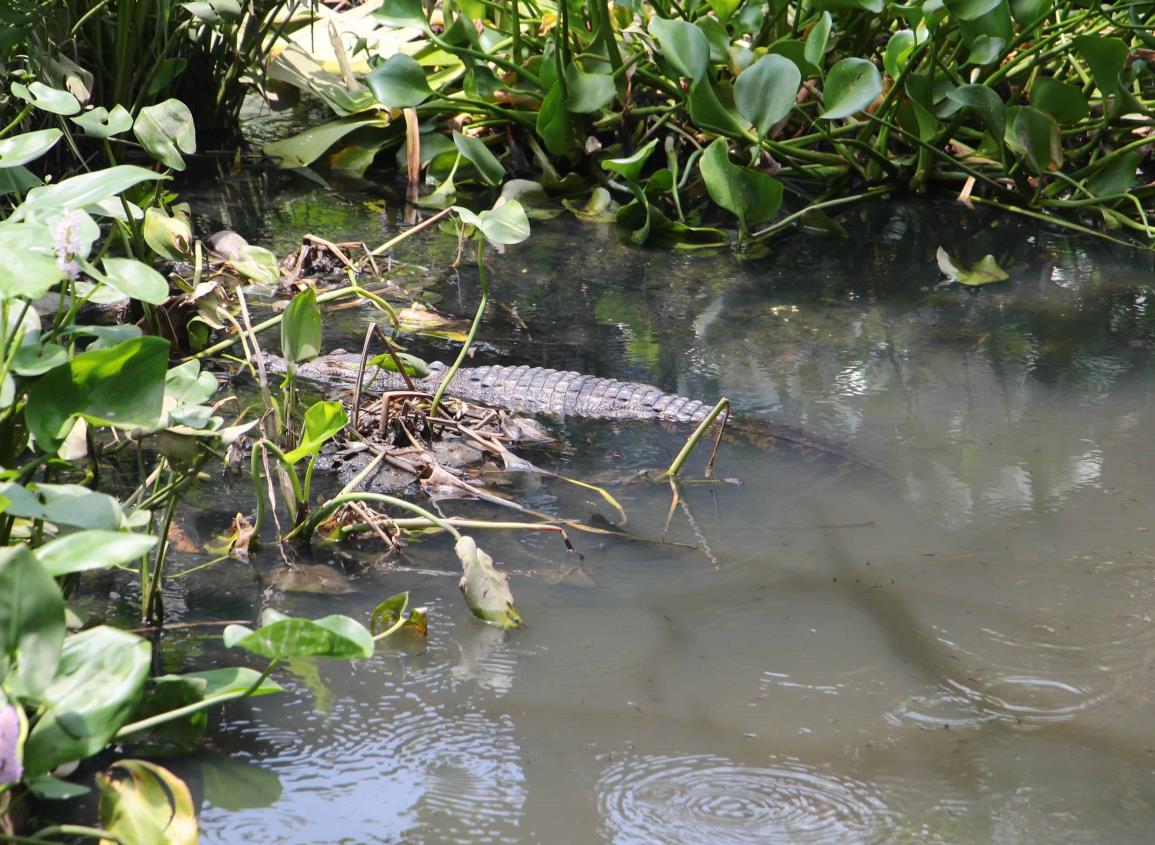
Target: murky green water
(960, 653)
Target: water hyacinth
(11, 769)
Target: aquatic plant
(1040, 108)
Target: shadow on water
(958, 652)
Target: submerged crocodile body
(538, 390)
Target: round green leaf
(588, 92)
(165, 131)
(403, 13)
(135, 279)
(684, 46)
(399, 82)
(1035, 135)
(283, 637)
(47, 99)
(1116, 177)
(750, 196)
(898, 50)
(1028, 12)
(1106, 58)
(1061, 100)
(102, 123)
(630, 167)
(764, 93)
(985, 50)
(986, 104)
(21, 149)
(851, 86)
(505, 223)
(969, 10)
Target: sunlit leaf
(983, 273)
(851, 86)
(323, 421)
(150, 807)
(136, 279)
(31, 621)
(399, 82)
(485, 589)
(599, 208)
(87, 188)
(21, 149)
(165, 131)
(169, 236)
(282, 637)
(47, 99)
(303, 149)
(85, 550)
(301, 328)
(898, 51)
(505, 223)
(403, 13)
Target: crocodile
(539, 390)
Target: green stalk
(306, 529)
(484, 280)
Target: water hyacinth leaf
(233, 680)
(399, 82)
(1115, 178)
(165, 131)
(506, 223)
(630, 167)
(1061, 100)
(55, 789)
(851, 86)
(323, 421)
(750, 196)
(983, 273)
(402, 13)
(1105, 57)
(816, 40)
(533, 198)
(97, 686)
(303, 149)
(588, 92)
(683, 45)
(795, 52)
(256, 264)
(31, 622)
(764, 93)
(724, 9)
(282, 637)
(122, 386)
(717, 38)
(553, 122)
(485, 589)
(388, 613)
(1028, 12)
(64, 504)
(486, 162)
(168, 235)
(151, 806)
(985, 50)
(47, 99)
(35, 359)
(29, 146)
(86, 189)
(986, 104)
(898, 52)
(18, 180)
(599, 208)
(709, 112)
(414, 366)
(92, 549)
(301, 328)
(1035, 135)
(969, 10)
(24, 273)
(136, 279)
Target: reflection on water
(960, 651)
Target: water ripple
(697, 799)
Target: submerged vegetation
(643, 112)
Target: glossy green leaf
(553, 122)
(35, 359)
(303, 149)
(122, 386)
(486, 590)
(1061, 100)
(301, 328)
(282, 637)
(399, 82)
(87, 188)
(136, 279)
(85, 550)
(152, 806)
(28, 264)
(323, 422)
(64, 504)
(985, 50)
(725, 9)
(588, 92)
(168, 235)
(18, 180)
(388, 613)
(765, 92)
(256, 264)
(795, 52)
(683, 45)
(969, 10)
(1035, 135)
(983, 273)
(47, 99)
(898, 51)
(165, 131)
(750, 196)
(717, 38)
(986, 104)
(709, 112)
(817, 39)
(31, 622)
(1116, 177)
(475, 151)
(630, 167)
(97, 685)
(403, 13)
(29, 146)
(1029, 12)
(1105, 57)
(851, 86)
(506, 223)
(233, 680)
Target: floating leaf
(683, 45)
(765, 92)
(851, 86)
(282, 637)
(399, 82)
(165, 131)
(983, 273)
(505, 223)
(233, 784)
(21, 149)
(486, 590)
